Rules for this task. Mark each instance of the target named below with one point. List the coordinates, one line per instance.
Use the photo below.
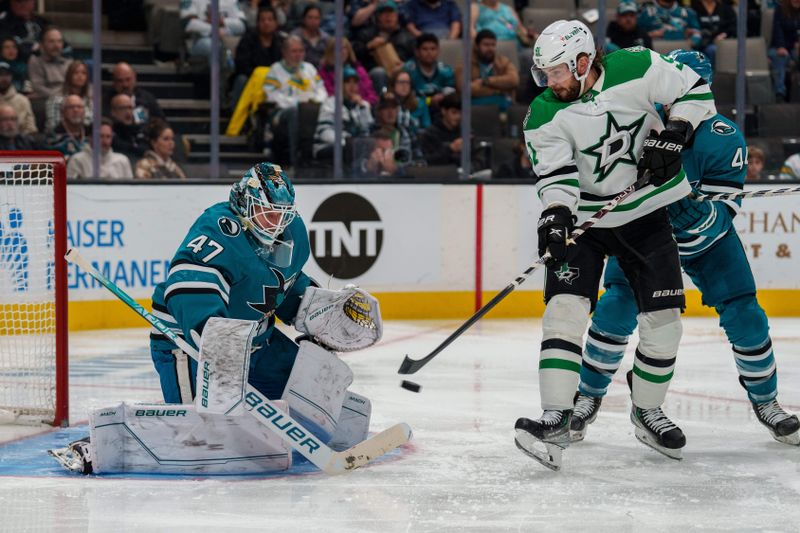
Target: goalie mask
(264, 201)
(556, 52)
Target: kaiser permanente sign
(415, 246)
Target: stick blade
(407, 366)
(370, 449)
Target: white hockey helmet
(561, 43)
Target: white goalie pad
(353, 424)
(345, 320)
(222, 368)
(316, 389)
(175, 439)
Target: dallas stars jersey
(217, 272)
(715, 162)
(585, 152)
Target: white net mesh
(27, 290)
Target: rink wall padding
(416, 246)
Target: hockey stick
(409, 366)
(264, 410)
(746, 194)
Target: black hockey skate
(653, 428)
(784, 427)
(585, 412)
(76, 457)
(550, 432)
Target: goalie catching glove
(344, 321)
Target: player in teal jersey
(712, 255)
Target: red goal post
(33, 288)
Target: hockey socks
(602, 356)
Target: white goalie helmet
(560, 44)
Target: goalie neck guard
(264, 201)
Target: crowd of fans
(401, 102)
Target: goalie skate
(654, 429)
(76, 457)
(782, 426)
(585, 412)
(544, 439)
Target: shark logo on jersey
(229, 227)
(568, 274)
(721, 128)
(616, 146)
(273, 294)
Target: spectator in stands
(755, 164)
(362, 12)
(327, 70)
(251, 8)
(48, 70)
(667, 20)
(10, 136)
(379, 160)
(290, 81)
(519, 166)
(20, 22)
(494, 77)
(413, 114)
(441, 143)
(624, 32)
(783, 48)
(260, 47)
(9, 96)
(356, 116)
(439, 17)
(128, 136)
(9, 52)
(717, 22)
(157, 162)
(76, 82)
(196, 17)
(383, 47)
(502, 20)
(112, 164)
(431, 79)
(790, 170)
(314, 39)
(123, 81)
(71, 134)
(386, 120)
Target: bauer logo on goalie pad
(160, 412)
(229, 227)
(277, 419)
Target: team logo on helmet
(721, 128)
(229, 227)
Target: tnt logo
(14, 255)
(346, 235)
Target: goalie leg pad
(316, 389)
(563, 324)
(353, 424)
(345, 320)
(223, 365)
(175, 439)
(659, 337)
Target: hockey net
(33, 288)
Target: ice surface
(461, 470)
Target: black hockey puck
(410, 385)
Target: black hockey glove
(555, 225)
(661, 155)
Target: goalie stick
(746, 194)
(264, 410)
(409, 366)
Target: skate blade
(550, 456)
(644, 438)
(792, 439)
(577, 435)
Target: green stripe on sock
(561, 364)
(653, 378)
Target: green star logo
(616, 146)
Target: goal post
(33, 288)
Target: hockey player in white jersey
(584, 135)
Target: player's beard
(570, 93)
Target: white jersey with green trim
(585, 152)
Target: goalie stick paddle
(747, 194)
(409, 366)
(264, 410)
